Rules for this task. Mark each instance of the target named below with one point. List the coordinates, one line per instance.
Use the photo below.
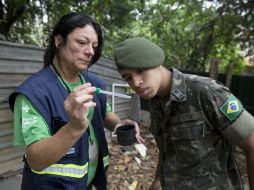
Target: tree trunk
(229, 75)
(214, 68)
(9, 14)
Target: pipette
(98, 91)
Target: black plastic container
(126, 135)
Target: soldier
(195, 120)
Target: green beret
(137, 53)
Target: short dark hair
(65, 26)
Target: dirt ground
(125, 172)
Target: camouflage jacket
(193, 130)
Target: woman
(58, 116)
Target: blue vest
(47, 93)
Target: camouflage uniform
(196, 137)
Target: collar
(177, 91)
(178, 87)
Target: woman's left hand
(137, 129)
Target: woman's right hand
(77, 106)
(47, 151)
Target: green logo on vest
(232, 107)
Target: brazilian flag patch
(232, 108)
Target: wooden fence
(18, 62)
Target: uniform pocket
(186, 135)
(189, 126)
(188, 131)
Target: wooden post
(229, 75)
(214, 68)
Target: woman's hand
(45, 152)
(137, 129)
(77, 106)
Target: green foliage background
(190, 32)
